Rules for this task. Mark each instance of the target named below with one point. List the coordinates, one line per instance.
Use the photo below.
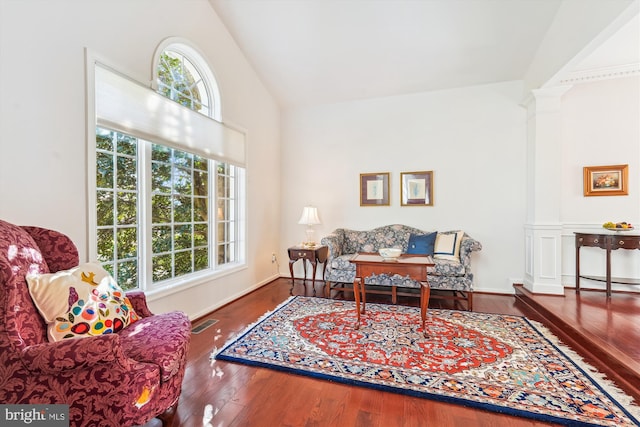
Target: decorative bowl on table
(617, 226)
(390, 253)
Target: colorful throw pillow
(421, 244)
(448, 245)
(80, 302)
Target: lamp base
(309, 243)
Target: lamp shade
(309, 216)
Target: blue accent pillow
(421, 244)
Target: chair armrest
(139, 303)
(77, 353)
(467, 246)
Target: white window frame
(144, 257)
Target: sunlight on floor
(208, 415)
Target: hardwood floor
(219, 393)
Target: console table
(413, 266)
(609, 242)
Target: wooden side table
(314, 255)
(413, 266)
(608, 242)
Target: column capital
(547, 99)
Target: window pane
(201, 259)
(200, 163)
(127, 276)
(160, 177)
(127, 243)
(182, 181)
(162, 267)
(104, 170)
(160, 153)
(183, 263)
(222, 209)
(182, 209)
(127, 173)
(127, 208)
(201, 235)
(104, 139)
(127, 144)
(105, 245)
(161, 209)
(200, 187)
(183, 237)
(222, 254)
(104, 208)
(201, 209)
(182, 158)
(161, 239)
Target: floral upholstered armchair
(452, 272)
(116, 379)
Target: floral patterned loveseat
(448, 274)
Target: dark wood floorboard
(217, 393)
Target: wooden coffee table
(413, 266)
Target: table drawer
(625, 242)
(591, 240)
(301, 254)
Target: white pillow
(448, 246)
(80, 302)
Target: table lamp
(309, 218)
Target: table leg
(425, 292)
(356, 293)
(291, 262)
(313, 278)
(363, 292)
(608, 272)
(577, 269)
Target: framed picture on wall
(374, 189)
(606, 180)
(416, 188)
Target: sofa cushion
(448, 245)
(80, 302)
(421, 244)
(342, 263)
(447, 268)
(162, 340)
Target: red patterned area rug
(495, 362)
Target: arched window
(167, 209)
(179, 80)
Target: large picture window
(164, 211)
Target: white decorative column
(543, 229)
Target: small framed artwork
(416, 188)
(374, 189)
(606, 180)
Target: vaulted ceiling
(311, 52)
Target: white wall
(43, 125)
(472, 138)
(600, 126)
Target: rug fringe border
(600, 379)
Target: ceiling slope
(327, 51)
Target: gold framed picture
(374, 189)
(606, 180)
(416, 188)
